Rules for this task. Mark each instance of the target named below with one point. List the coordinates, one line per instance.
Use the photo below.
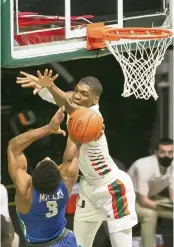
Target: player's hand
(46, 80)
(29, 81)
(54, 124)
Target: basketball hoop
(139, 52)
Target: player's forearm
(53, 95)
(72, 150)
(58, 95)
(70, 161)
(61, 98)
(21, 142)
(73, 169)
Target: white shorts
(113, 202)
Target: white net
(139, 62)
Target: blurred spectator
(7, 232)
(150, 176)
(8, 237)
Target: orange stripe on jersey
(119, 200)
(124, 198)
(114, 204)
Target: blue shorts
(68, 240)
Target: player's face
(83, 96)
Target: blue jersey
(46, 218)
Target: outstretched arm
(17, 165)
(31, 81)
(46, 95)
(61, 98)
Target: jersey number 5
(52, 208)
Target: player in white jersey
(105, 192)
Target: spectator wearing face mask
(150, 176)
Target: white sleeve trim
(46, 95)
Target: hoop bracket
(95, 34)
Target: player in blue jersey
(41, 198)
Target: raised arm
(47, 81)
(17, 164)
(47, 96)
(61, 98)
(69, 169)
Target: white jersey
(94, 159)
(108, 192)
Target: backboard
(40, 31)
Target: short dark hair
(164, 141)
(93, 83)
(46, 177)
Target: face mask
(165, 161)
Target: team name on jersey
(57, 196)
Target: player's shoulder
(96, 108)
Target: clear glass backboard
(40, 31)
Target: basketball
(85, 125)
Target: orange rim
(98, 34)
(136, 33)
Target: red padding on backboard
(40, 37)
(27, 19)
(30, 19)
